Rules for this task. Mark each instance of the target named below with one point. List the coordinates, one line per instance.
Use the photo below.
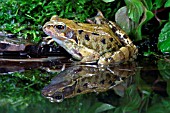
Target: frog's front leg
(89, 55)
(80, 52)
(47, 40)
(126, 53)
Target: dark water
(146, 90)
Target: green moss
(25, 18)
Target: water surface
(147, 90)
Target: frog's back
(98, 39)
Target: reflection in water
(83, 79)
(9, 66)
(149, 92)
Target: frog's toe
(103, 61)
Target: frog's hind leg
(126, 53)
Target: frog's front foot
(89, 55)
(47, 41)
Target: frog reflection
(80, 79)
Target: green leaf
(134, 99)
(135, 9)
(167, 4)
(104, 107)
(164, 38)
(164, 69)
(163, 106)
(148, 4)
(147, 16)
(130, 102)
(99, 107)
(108, 1)
(122, 19)
(158, 3)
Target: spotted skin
(100, 40)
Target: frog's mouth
(58, 37)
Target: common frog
(99, 40)
(81, 79)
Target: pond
(36, 77)
(34, 86)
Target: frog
(82, 79)
(100, 40)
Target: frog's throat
(60, 42)
(64, 42)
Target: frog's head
(58, 92)
(60, 29)
(62, 86)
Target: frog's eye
(58, 96)
(60, 27)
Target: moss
(25, 18)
